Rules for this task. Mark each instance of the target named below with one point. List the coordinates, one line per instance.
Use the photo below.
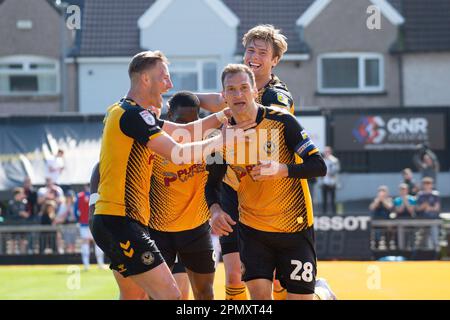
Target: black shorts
(127, 243)
(229, 203)
(293, 255)
(178, 267)
(194, 248)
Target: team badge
(148, 117)
(283, 99)
(147, 258)
(269, 147)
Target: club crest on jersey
(148, 117)
(269, 147)
(281, 98)
(147, 258)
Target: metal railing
(39, 239)
(385, 236)
(407, 235)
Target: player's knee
(174, 295)
(234, 278)
(204, 293)
(171, 293)
(260, 295)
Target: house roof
(110, 28)
(427, 26)
(282, 14)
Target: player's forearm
(211, 101)
(313, 167)
(197, 129)
(195, 152)
(216, 173)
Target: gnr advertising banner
(388, 131)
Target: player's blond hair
(145, 60)
(234, 68)
(270, 35)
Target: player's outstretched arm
(312, 167)
(196, 130)
(213, 102)
(196, 152)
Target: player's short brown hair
(269, 34)
(145, 60)
(234, 68)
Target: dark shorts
(127, 243)
(178, 267)
(194, 248)
(229, 203)
(292, 254)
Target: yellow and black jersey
(282, 205)
(274, 94)
(177, 198)
(125, 161)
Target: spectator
(428, 200)
(426, 162)
(17, 214)
(429, 207)
(67, 216)
(330, 181)
(381, 208)
(405, 203)
(55, 166)
(47, 216)
(17, 206)
(50, 191)
(31, 195)
(382, 205)
(408, 178)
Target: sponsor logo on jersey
(147, 117)
(282, 98)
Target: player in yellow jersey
(264, 48)
(131, 136)
(179, 221)
(275, 210)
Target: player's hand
(220, 221)
(238, 133)
(269, 170)
(228, 113)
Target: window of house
(193, 75)
(26, 75)
(350, 73)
